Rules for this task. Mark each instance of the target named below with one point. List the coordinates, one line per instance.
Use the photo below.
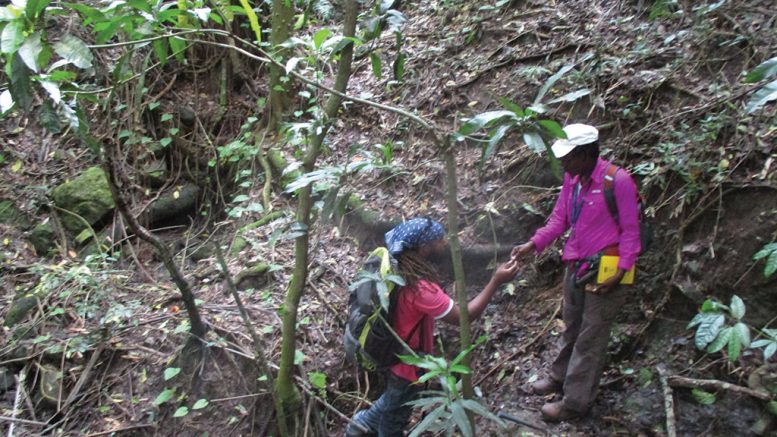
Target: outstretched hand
(521, 250)
(506, 272)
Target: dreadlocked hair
(413, 267)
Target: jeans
(389, 415)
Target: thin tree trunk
(285, 385)
(458, 265)
(282, 17)
(198, 328)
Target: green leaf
(460, 368)
(321, 36)
(74, 50)
(737, 307)
(399, 67)
(161, 50)
(734, 348)
(171, 372)
(141, 5)
(553, 128)
(165, 396)
(20, 85)
(771, 265)
(178, 46)
(724, 336)
(703, 397)
(493, 140)
(34, 8)
(428, 421)
(485, 119)
(317, 379)
(479, 409)
(571, 97)
(299, 357)
(377, 69)
(742, 333)
(765, 251)
(30, 51)
(252, 19)
(771, 407)
(708, 329)
(200, 404)
(511, 106)
(765, 70)
(534, 141)
(459, 417)
(12, 37)
(763, 96)
(550, 82)
(769, 351)
(181, 411)
(165, 141)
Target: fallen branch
(714, 384)
(671, 429)
(118, 430)
(22, 421)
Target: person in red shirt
(588, 310)
(414, 244)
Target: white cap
(577, 135)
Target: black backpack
(645, 227)
(369, 339)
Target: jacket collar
(597, 175)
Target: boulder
(88, 196)
(10, 215)
(43, 238)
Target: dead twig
(714, 384)
(671, 429)
(117, 430)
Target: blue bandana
(413, 234)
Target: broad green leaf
(742, 333)
(299, 357)
(6, 101)
(165, 396)
(399, 67)
(550, 82)
(459, 416)
(75, 51)
(460, 368)
(769, 351)
(534, 141)
(737, 307)
(12, 37)
(291, 64)
(511, 106)
(141, 5)
(493, 140)
(485, 119)
(30, 51)
(320, 36)
(761, 343)
(178, 46)
(765, 251)
(396, 279)
(771, 407)
(35, 7)
(161, 50)
(317, 379)
(53, 90)
(771, 265)
(377, 69)
(703, 397)
(734, 348)
(765, 70)
(553, 128)
(724, 336)
(711, 306)
(181, 411)
(171, 372)
(252, 19)
(708, 329)
(763, 96)
(200, 404)
(20, 85)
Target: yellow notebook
(608, 265)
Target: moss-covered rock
(87, 196)
(43, 237)
(177, 202)
(10, 215)
(252, 277)
(22, 305)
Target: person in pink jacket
(588, 308)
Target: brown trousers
(588, 318)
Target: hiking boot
(546, 386)
(556, 412)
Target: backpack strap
(609, 191)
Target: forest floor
(658, 97)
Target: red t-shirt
(414, 302)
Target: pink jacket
(595, 228)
